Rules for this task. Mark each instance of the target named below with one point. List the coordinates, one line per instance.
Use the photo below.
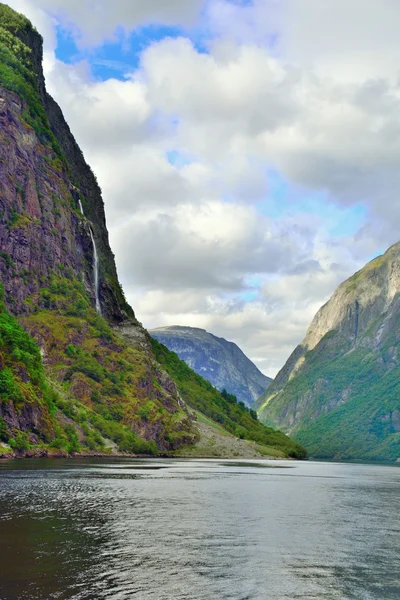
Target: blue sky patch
(116, 59)
(285, 199)
(178, 159)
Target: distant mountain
(339, 392)
(221, 362)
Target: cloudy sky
(248, 150)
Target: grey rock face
(215, 359)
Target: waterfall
(96, 272)
(95, 263)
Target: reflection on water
(194, 530)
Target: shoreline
(44, 454)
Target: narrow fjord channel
(198, 530)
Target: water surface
(198, 530)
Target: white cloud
(143, 179)
(320, 133)
(206, 246)
(113, 110)
(93, 21)
(348, 40)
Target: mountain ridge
(339, 390)
(220, 361)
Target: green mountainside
(39, 417)
(339, 392)
(222, 407)
(77, 371)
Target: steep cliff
(44, 182)
(339, 392)
(221, 362)
(60, 281)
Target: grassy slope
(93, 365)
(221, 407)
(216, 442)
(64, 423)
(93, 387)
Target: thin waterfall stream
(95, 263)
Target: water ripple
(198, 530)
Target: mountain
(217, 360)
(223, 409)
(78, 373)
(339, 392)
(60, 283)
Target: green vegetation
(17, 74)
(22, 379)
(222, 407)
(18, 349)
(97, 368)
(7, 259)
(362, 394)
(97, 397)
(13, 21)
(97, 430)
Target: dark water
(194, 530)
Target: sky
(248, 151)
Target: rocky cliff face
(60, 281)
(41, 230)
(44, 179)
(221, 362)
(339, 391)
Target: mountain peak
(52, 189)
(14, 21)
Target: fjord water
(194, 530)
